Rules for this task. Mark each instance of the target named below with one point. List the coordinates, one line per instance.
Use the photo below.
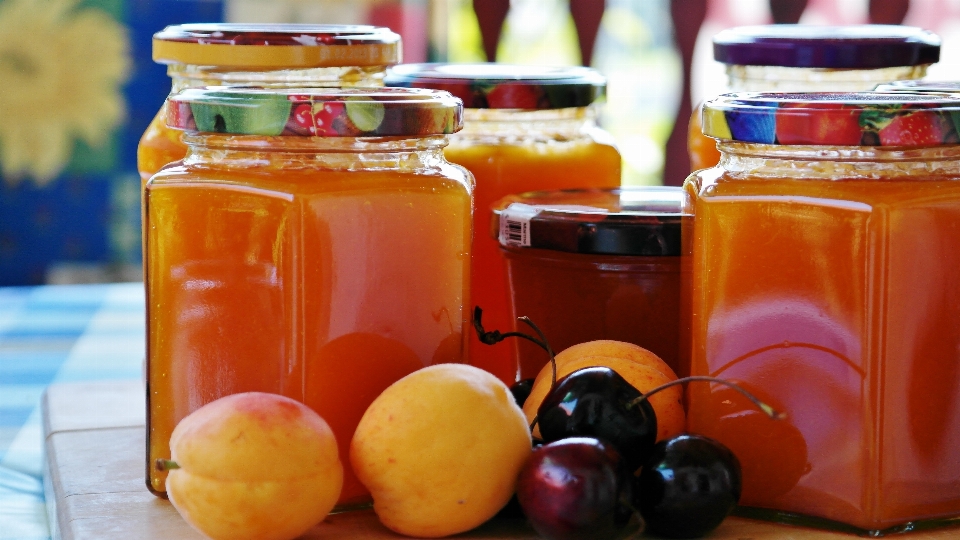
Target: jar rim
(814, 46)
(315, 111)
(630, 220)
(505, 86)
(920, 86)
(276, 46)
(897, 119)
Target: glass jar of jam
(527, 128)
(313, 243)
(594, 264)
(807, 58)
(824, 279)
(209, 54)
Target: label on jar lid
(515, 224)
(632, 221)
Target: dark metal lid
(863, 46)
(638, 221)
(505, 86)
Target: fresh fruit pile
(445, 449)
(608, 466)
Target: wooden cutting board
(95, 490)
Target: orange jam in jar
(320, 264)
(527, 128)
(824, 279)
(594, 264)
(808, 58)
(278, 55)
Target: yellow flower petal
(62, 70)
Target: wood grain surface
(95, 485)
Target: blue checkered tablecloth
(55, 334)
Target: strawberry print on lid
(505, 86)
(835, 119)
(316, 112)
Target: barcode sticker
(515, 224)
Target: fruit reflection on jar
(823, 280)
(808, 58)
(322, 268)
(527, 128)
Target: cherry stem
(495, 336)
(166, 465)
(546, 346)
(767, 409)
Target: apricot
(440, 450)
(253, 466)
(640, 367)
(615, 349)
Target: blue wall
(91, 213)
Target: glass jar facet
(593, 264)
(823, 280)
(528, 128)
(511, 151)
(322, 269)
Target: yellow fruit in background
(440, 450)
(640, 367)
(254, 466)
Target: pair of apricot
(440, 451)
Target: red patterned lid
(835, 119)
(320, 112)
(505, 86)
(276, 46)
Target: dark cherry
(687, 487)
(521, 390)
(598, 402)
(577, 489)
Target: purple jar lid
(865, 46)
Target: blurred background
(78, 87)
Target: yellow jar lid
(276, 46)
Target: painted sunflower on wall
(61, 71)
